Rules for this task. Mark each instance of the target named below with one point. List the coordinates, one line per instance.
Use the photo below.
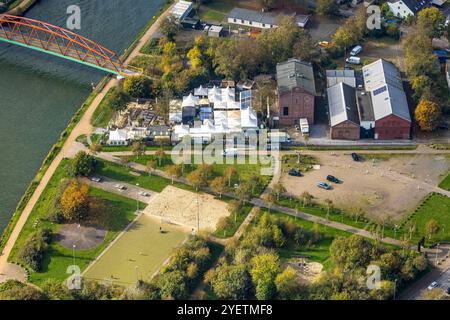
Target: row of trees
(423, 69)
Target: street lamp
(395, 287)
(73, 253)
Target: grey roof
(295, 73)
(251, 15)
(342, 104)
(336, 76)
(365, 107)
(382, 79)
(415, 5)
(264, 17)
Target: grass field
(245, 171)
(435, 206)
(103, 114)
(146, 181)
(445, 184)
(320, 251)
(138, 253)
(57, 258)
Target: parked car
(356, 157)
(447, 291)
(324, 185)
(356, 50)
(353, 60)
(443, 126)
(295, 173)
(144, 194)
(333, 179)
(96, 179)
(120, 187)
(433, 285)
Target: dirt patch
(180, 207)
(392, 186)
(82, 237)
(307, 272)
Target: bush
(34, 248)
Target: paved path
(83, 127)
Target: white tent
(190, 101)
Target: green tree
(137, 87)
(82, 165)
(244, 192)
(56, 290)
(174, 172)
(197, 179)
(431, 22)
(170, 27)
(432, 227)
(138, 148)
(279, 189)
(351, 253)
(230, 282)
(219, 186)
(234, 207)
(287, 284)
(151, 165)
(264, 269)
(230, 173)
(173, 285)
(160, 154)
(327, 7)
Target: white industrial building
(405, 8)
(182, 9)
(261, 20)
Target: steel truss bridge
(56, 41)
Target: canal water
(40, 93)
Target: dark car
(356, 157)
(295, 173)
(324, 185)
(448, 290)
(333, 179)
(443, 126)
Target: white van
(356, 50)
(353, 60)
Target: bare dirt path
(83, 127)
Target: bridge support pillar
(120, 81)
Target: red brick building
(392, 127)
(390, 106)
(343, 110)
(296, 92)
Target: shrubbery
(33, 250)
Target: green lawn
(230, 229)
(435, 206)
(138, 253)
(146, 181)
(445, 184)
(57, 259)
(320, 251)
(245, 171)
(103, 114)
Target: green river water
(40, 93)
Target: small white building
(118, 137)
(261, 20)
(182, 9)
(405, 8)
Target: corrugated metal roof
(382, 79)
(295, 73)
(336, 76)
(342, 104)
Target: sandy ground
(307, 272)
(180, 207)
(391, 187)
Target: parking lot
(388, 185)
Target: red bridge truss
(44, 37)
